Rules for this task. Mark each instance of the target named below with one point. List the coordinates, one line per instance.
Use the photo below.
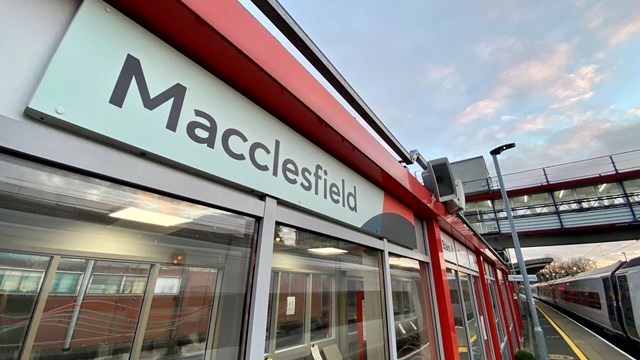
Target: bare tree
(560, 268)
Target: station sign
(112, 80)
(521, 278)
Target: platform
(568, 340)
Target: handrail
(613, 164)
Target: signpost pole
(541, 345)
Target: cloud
(538, 122)
(571, 101)
(547, 76)
(440, 72)
(525, 76)
(498, 49)
(594, 17)
(536, 72)
(482, 109)
(624, 32)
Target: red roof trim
(225, 39)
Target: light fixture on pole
(625, 255)
(541, 344)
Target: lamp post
(541, 344)
(625, 256)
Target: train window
(102, 261)
(18, 295)
(325, 292)
(65, 283)
(20, 281)
(167, 285)
(412, 310)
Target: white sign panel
(521, 278)
(113, 80)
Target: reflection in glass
(412, 311)
(458, 314)
(20, 279)
(291, 310)
(180, 314)
(473, 325)
(94, 307)
(484, 319)
(72, 323)
(321, 307)
(325, 292)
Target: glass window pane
(291, 310)
(321, 307)
(65, 283)
(178, 322)
(20, 279)
(58, 212)
(412, 309)
(521, 200)
(632, 187)
(327, 292)
(497, 312)
(472, 322)
(73, 324)
(458, 314)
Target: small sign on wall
(291, 305)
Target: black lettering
(132, 69)
(343, 192)
(352, 200)
(324, 181)
(252, 155)
(211, 129)
(334, 193)
(226, 135)
(276, 158)
(306, 180)
(289, 167)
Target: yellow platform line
(566, 338)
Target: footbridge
(593, 200)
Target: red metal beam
(442, 295)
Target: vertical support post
(360, 322)
(541, 345)
(147, 301)
(441, 285)
(391, 326)
(76, 308)
(259, 303)
(613, 163)
(41, 302)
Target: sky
(456, 79)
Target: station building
(174, 184)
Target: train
(607, 297)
